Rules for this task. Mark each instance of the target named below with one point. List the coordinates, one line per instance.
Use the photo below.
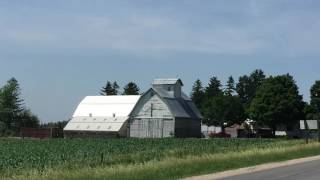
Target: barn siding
(151, 128)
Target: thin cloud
(256, 28)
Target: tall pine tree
(131, 89)
(107, 89)
(197, 94)
(115, 88)
(214, 88)
(110, 89)
(230, 89)
(315, 100)
(11, 103)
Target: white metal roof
(96, 124)
(102, 113)
(106, 106)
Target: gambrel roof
(181, 107)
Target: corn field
(17, 156)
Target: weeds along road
(306, 171)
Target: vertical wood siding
(152, 119)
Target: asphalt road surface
(303, 171)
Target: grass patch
(175, 167)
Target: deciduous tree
(277, 102)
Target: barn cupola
(170, 86)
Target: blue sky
(61, 51)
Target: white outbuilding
(100, 116)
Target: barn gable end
(151, 118)
(165, 111)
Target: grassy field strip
(175, 168)
(17, 157)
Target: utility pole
(318, 124)
(306, 128)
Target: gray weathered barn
(162, 111)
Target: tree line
(13, 112)
(113, 89)
(272, 101)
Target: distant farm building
(162, 111)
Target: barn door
(154, 128)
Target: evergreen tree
(242, 89)
(315, 100)
(277, 102)
(107, 90)
(131, 89)
(115, 88)
(28, 119)
(230, 89)
(197, 94)
(11, 103)
(110, 89)
(214, 88)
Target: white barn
(162, 111)
(100, 116)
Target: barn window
(169, 88)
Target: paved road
(303, 171)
